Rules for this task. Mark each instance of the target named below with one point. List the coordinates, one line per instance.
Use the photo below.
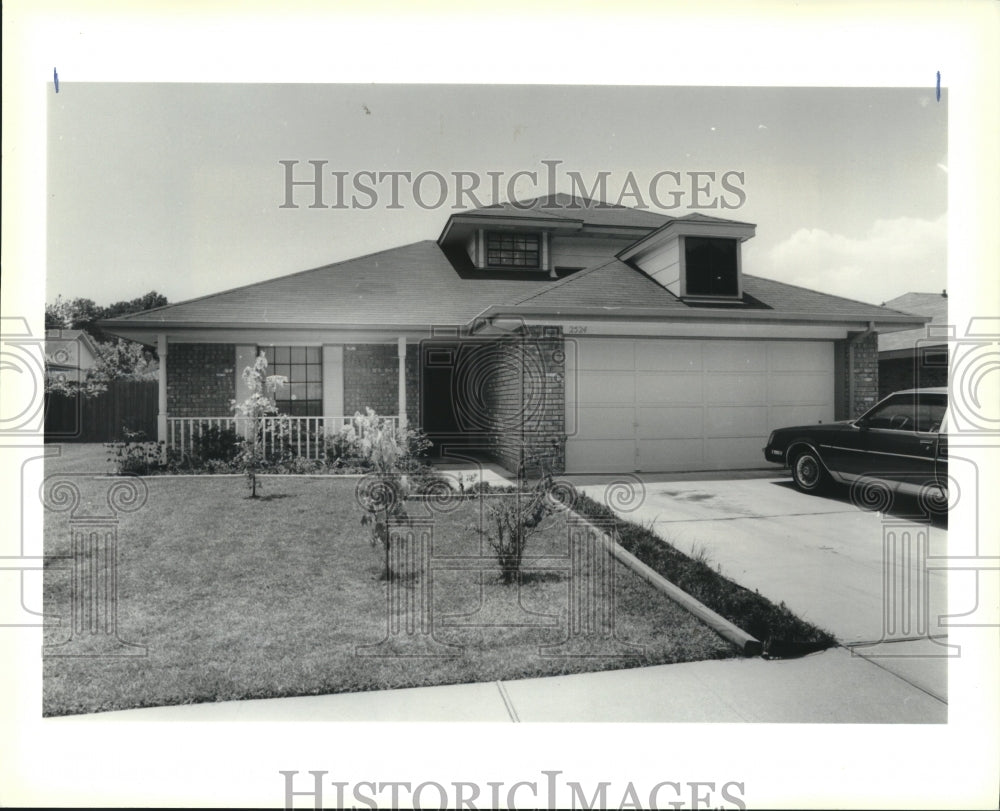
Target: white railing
(305, 436)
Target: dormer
(498, 243)
(696, 258)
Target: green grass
(779, 629)
(238, 598)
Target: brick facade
(371, 379)
(201, 380)
(895, 374)
(526, 395)
(413, 385)
(865, 366)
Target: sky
(179, 187)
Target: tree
(117, 358)
(255, 408)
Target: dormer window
(711, 267)
(696, 258)
(513, 250)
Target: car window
(930, 412)
(924, 413)
(898, 414)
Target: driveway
(850, 571)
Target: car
(901, 443)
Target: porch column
(246, 355)
(333, 387)
(161, 417)
(401, 408)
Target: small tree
(510, 521)
(255, 408)
(388, 451)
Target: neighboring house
(915, 357)
(69, 353)
(607, 338)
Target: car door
(941, 460)
(898, 439)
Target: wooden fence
(130, 404)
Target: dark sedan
(901, 441)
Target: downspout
(850, 365)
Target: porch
(476, 398)
(306, 437)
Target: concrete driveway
(853, 572)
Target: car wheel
(808, 472)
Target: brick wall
(503, 398)
(413, 385)
(526, 396)
(904, 373)
(866, 386)
(371, 378)
(201, 380)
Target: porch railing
(305, 437)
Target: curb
(748, 645)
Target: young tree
(509, 521)
(255, 408)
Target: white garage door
(667, 405)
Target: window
(512, 250)
(922, 413)
(711, 267)
(302, 395)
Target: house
(69, 353)
(604, 338)
(915, 357)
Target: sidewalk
(828, 687)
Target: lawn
(284, 595)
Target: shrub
(373, 442)
(215, 444)
(133, 454)
(510, 521)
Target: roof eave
(885, 323)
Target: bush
(215, 444)
(372, 442)
(133, 455)
(510, 521)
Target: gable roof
(65, 347)
(934, 305)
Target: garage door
(669, 405)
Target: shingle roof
(932, 304)
(428, 284)
(412, 284)
(616, 284)
(569, 207)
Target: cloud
(895, 257)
